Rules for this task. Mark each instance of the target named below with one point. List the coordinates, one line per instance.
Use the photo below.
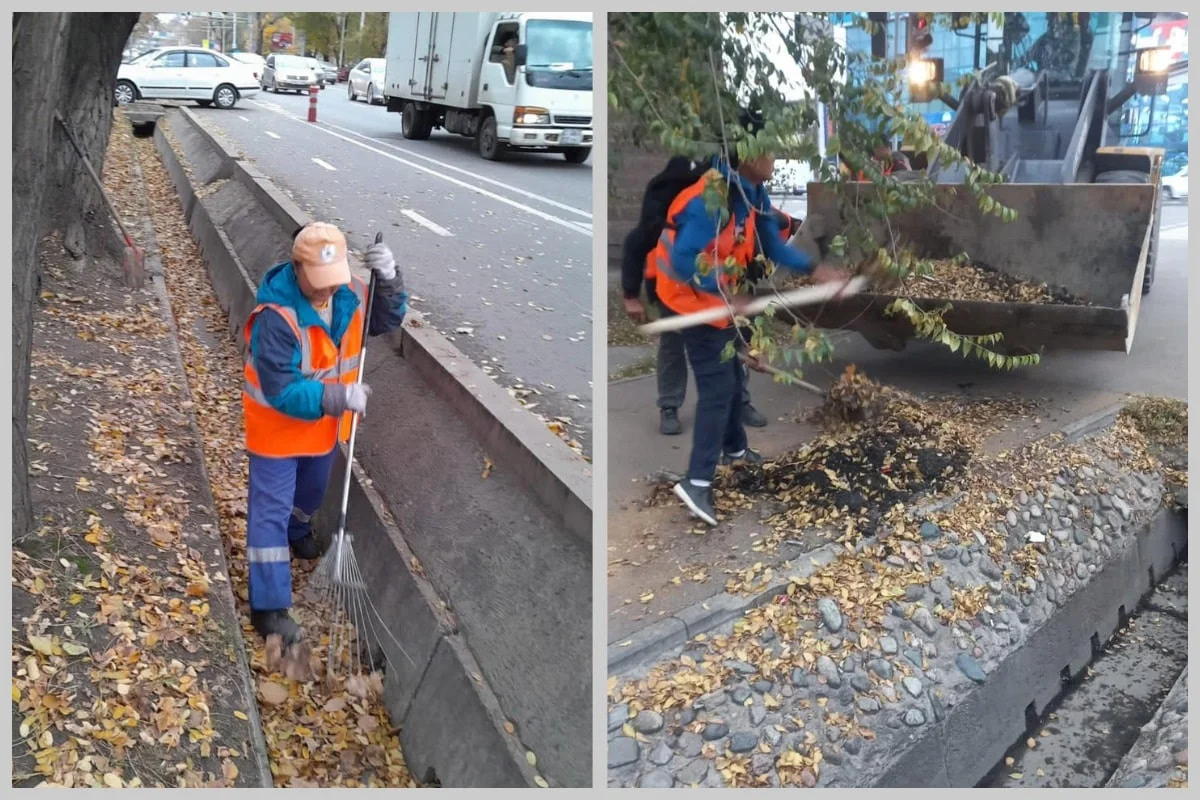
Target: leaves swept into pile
(954, 280)
(319, 733)
(854, 397)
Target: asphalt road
(497, 255)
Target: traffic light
(920, 31)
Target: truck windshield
(559, 54)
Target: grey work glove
(378, 258)
(338, 398)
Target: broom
(354, 641)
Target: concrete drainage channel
(486, 583)
(1090, 730)
(977, 718)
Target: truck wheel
(1136, 176)
(415, 123)
(577, 155)
(488, 141)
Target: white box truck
(511, 80)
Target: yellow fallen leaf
(47, 738)
(42, 644)
(1041, 773)
(112, 780)
(1016, 776)
(541, 782)
(628, 730)
(1009, 761)
(39, 586)
(75, 599)
(230, 770)
(1031, 743)
(509, 728)
(531, 757)
(769, 701)
(73, 649)
(16, 693)
(241, 715)
(647, 597)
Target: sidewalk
(130, 669)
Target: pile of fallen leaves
(952, 280)
(854, 397)
(850, 477)
(319, 732)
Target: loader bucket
(1090, 239)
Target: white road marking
(243, 119)
(321, 163)
(444, 165)
(424, 223)
(273, 135)
(578, 227)
(1174, 233)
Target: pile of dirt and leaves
(849, 479)
(866, 582)
(127, 668)
(319, 731)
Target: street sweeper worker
(747, 227)
(303, 342)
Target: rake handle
(362, 368)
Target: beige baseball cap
(320, 251)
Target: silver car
(287, 73)
(367, 80)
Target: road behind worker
(752, 226)
(304, 339)
(637, 267)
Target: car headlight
(529, 115)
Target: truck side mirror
(521, 52)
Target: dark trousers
(284, 494)
(719, 384)
(672, 370)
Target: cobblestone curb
(1159, 757)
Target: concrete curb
(651, 642)
(560, 478)
(258, 740)
(442, 681)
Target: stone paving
(749, 705)
(1159, 758)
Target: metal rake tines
(356, 629)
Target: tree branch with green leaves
(681, 79)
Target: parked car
(331, 72)
(288, 73)
(253, 59)
(367, 80)
(343, 73)
(1176, 186)
(186, 73)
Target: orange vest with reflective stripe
(274, 434)
(684, 297)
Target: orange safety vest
(684, 297)
(272, 433)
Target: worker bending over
(304, 340)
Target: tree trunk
(67, 63)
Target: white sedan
(186, 73)
(367, 80)
(1176, 186)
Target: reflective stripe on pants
(279, 487)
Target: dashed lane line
(425, 223)
(324, 164)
